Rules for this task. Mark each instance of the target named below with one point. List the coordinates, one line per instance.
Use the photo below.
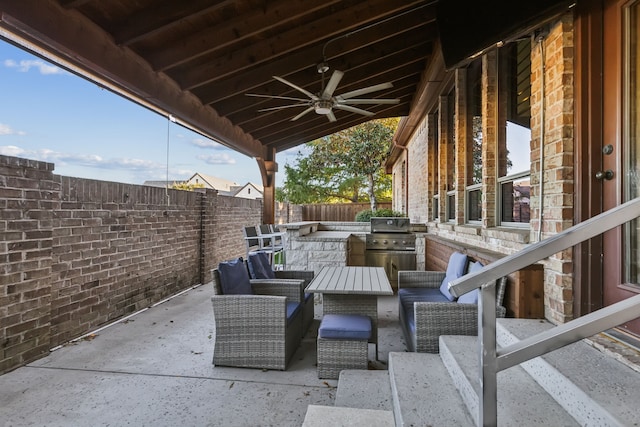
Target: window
(631, 135)
(474, 150)
(436, 166)
(451, 156)
(514, 148)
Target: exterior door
(620, 174)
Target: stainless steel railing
(493, 360)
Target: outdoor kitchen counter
(312, 245)
(319, 249)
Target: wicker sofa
(259, 329)
(427, 310)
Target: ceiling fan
(324, 102)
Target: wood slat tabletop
(351, 281)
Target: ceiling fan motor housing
(323, 106)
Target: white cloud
(88, 160)
(206, 143)
(25, 65)
(11, 150)
(217, 159)
(7, 130)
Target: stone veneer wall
(78, 253)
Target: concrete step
(593, 387)
(521, 400)
(364, 389)
(424, 393)
(332, 416)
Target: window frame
(510, 179)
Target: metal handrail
(493, 360)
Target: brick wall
(558, 159)
(78, 253)
(418, 179)
(28, 196)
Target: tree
(185, 186)
(345, 166)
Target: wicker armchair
(305, 276)
(432, 319)
(252, 331)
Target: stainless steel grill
(391, 245)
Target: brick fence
(78, 253)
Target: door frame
(588, 114)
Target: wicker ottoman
(342, 344)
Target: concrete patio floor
(154, 368)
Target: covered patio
(456, 75)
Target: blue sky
(51, 115)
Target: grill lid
(390, 225)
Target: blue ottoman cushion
(345, 326)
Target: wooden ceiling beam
(301, 61)
(283, 44)
(162, 16)
(72, 4)
(232, 32)
(254, 121)
(366, 73)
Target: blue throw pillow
(455, 269)
(259, 266)
(471, 297)
(234, 278)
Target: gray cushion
(234, 278)
(259, 266)
(345, 326)
(471, 297)
(455, 269)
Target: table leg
(366, 305)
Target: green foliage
(185, 186)
(365, 216)
(344, 167)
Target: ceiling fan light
(323, 107)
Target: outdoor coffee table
(352, 290)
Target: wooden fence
(344, 212)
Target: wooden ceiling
(198, 59)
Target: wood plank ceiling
(198, 59)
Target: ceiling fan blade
(357, 101)
(308, 110)
(288, 98)
(331, 116)
(296, 87)
(333, 83)
(366, 90)
(353, 110)
(283, 107)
